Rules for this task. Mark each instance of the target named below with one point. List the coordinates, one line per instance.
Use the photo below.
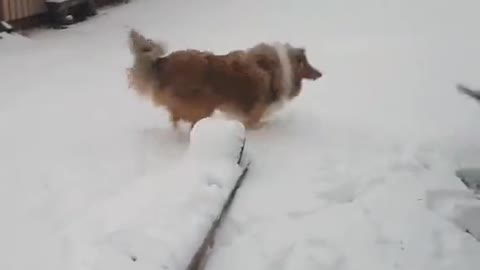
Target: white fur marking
(286, 66)
(287, 84)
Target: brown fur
(192, 84)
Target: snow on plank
(169, 226)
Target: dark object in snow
(66, 12)
(473, 235)
(6, 27)
(470, 177)
(469, 92)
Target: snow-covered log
(215, 147)
(171, 225)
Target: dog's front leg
(255, 125)
(254, 117)
(174, 120)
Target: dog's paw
(255, 126)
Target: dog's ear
(307, 71)
(299, 54)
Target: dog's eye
(300, 60)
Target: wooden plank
(12, 5)
(9, 10)
(18, 9)
(6, 9)
(24, 8)
(475, 94)
(14, 9)
(2, 16)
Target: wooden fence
(11, 10)
(15, 10)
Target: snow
(150, 226)
(215, 138)
(357, 173)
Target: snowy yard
(357, 173)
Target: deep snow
(357, 173)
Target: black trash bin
(59, 12)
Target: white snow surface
(356, 173)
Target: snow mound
(167, 226)
(207, 141)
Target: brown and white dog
(192, 84)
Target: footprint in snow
(349, 191)
(280, 260)
(345, 193)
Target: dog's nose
(315, 74)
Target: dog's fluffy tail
(144, 48)
(142, 75)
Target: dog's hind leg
(254, 117)
(200, 114)
(255, 125)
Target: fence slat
(2, 16)
(9, 10)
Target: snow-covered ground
(357, 173)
